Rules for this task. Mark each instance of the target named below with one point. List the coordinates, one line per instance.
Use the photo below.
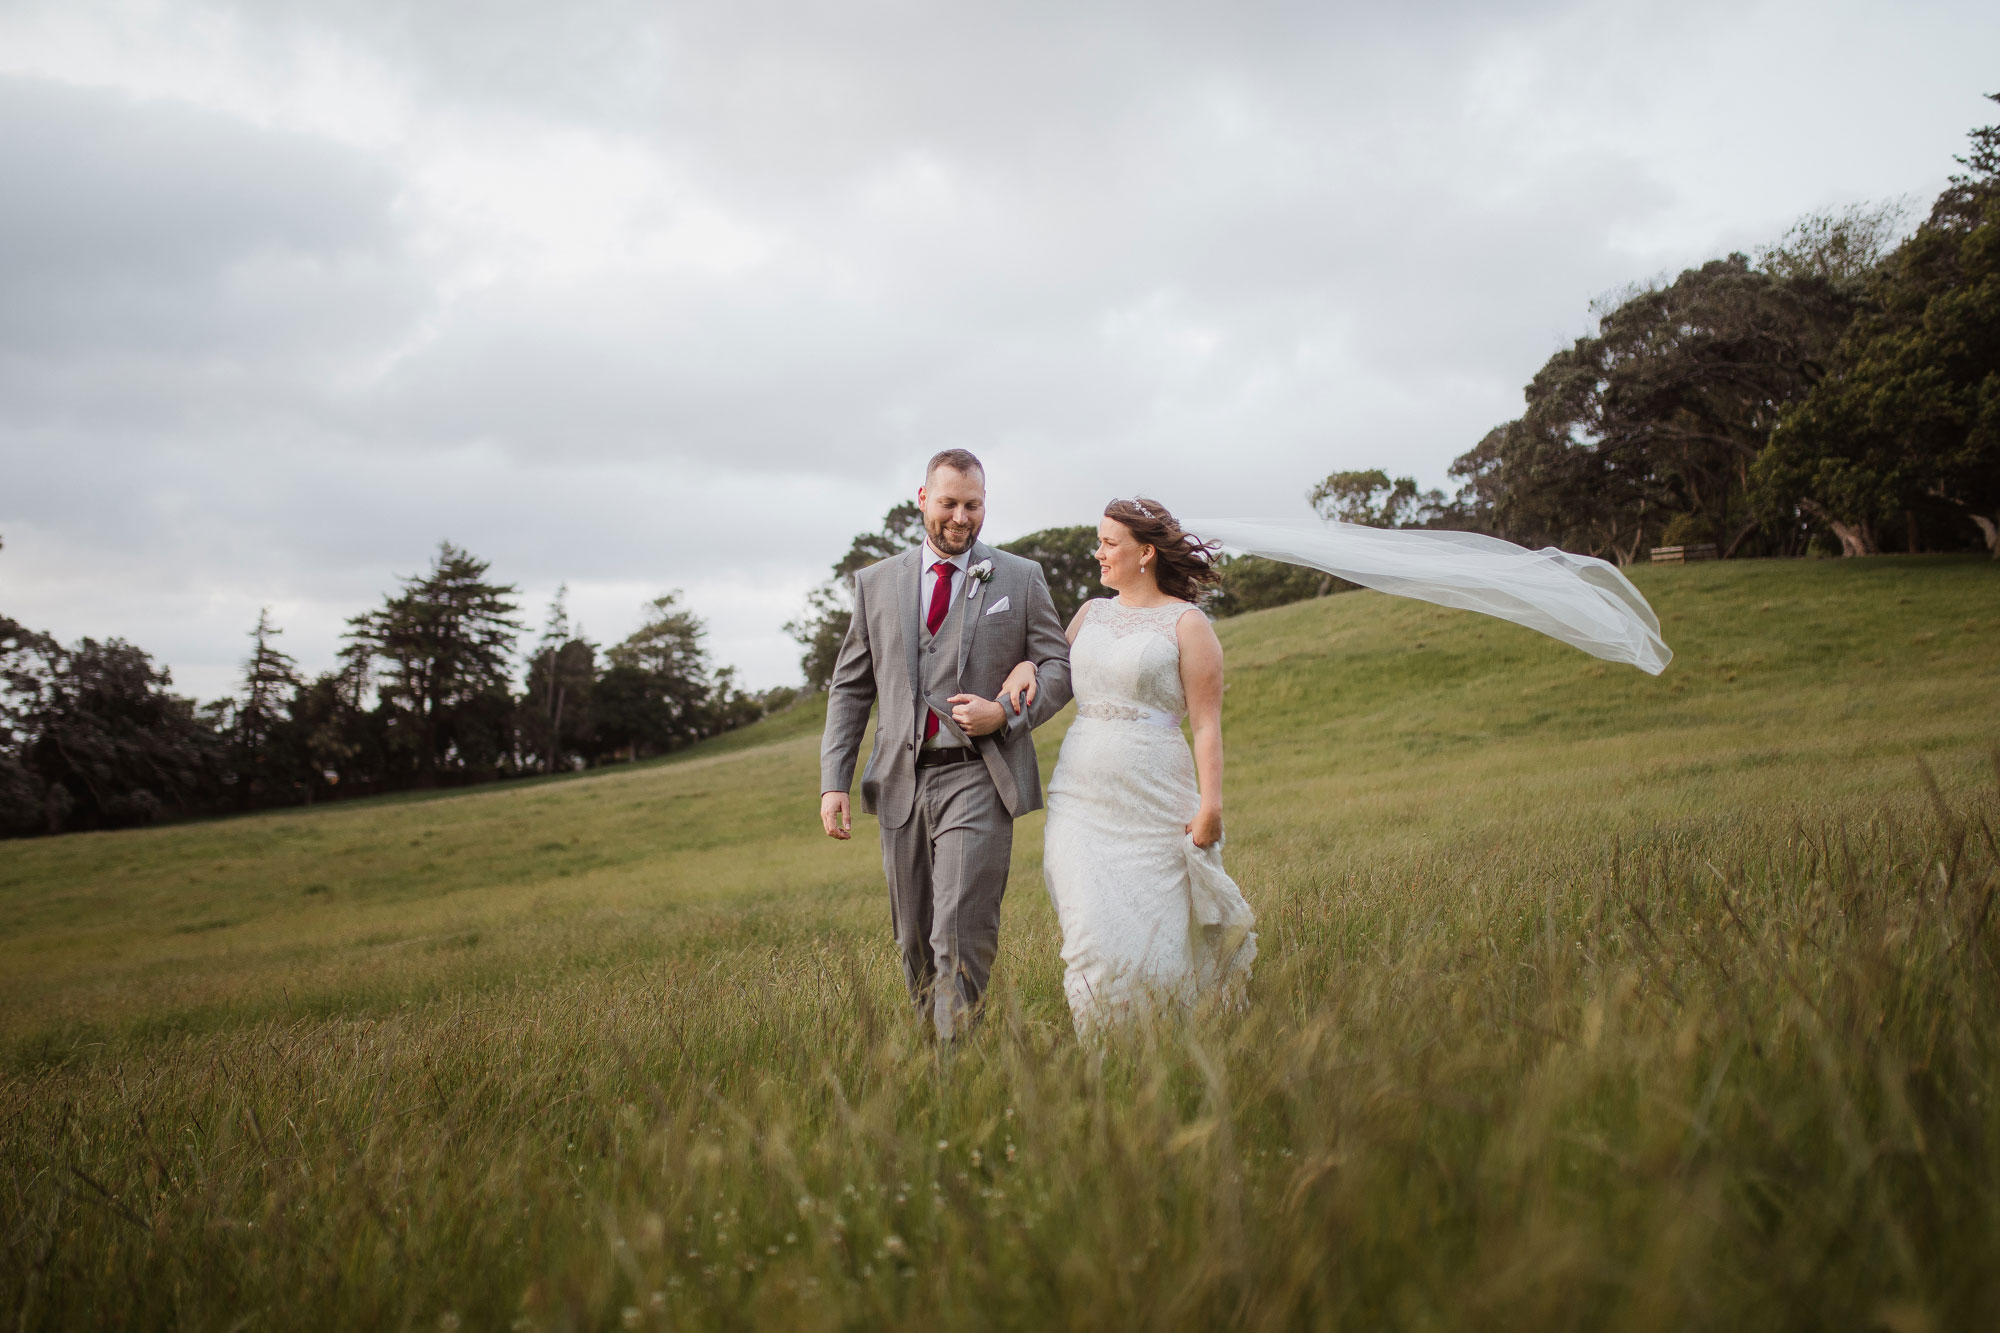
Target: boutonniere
(980, 573)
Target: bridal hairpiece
(1141, 508)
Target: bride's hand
(1019, 689)
(1206, 827)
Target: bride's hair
(1185, 564)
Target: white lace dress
(1147, 917)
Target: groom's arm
(1048, 648)
(849, 696)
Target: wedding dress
(1148, 918)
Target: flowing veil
(1579, 599)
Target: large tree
(1906, 429)
(266, 761)
(660, 692)
(1065, 555)
(830, 607)
(270, 677)
(27, 657)
(340, 746)
(444, 646)
(1252, 583)
(555, 720)
(1373, 499)
(103, 739)
(91, 736)
(1655, 419)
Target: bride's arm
(1076, 623)
(1022, 682)
(1018, 690)
(1201, 681)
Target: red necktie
(940, 604)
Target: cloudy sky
(645, 295)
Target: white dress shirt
(927, 587)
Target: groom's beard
(946, 540)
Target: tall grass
(1551, 1029)
(1717, 1079)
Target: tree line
(424, 695)
(1248, 583)
(1839, 393)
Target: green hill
(1586, 999)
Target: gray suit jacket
(878, 662)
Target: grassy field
(1586, 1000)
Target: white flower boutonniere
(976, 575)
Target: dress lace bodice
(1126, 662)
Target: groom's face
(954, 505)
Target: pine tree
(660, 691)
(269, 677)
(263, 755)
(556, 707)
(445, 644)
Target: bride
(1132, 850)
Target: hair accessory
(1141, 508)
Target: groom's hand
(834, 817)
(976, 716)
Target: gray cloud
(141, 228)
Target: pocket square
(997, 607)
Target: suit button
(933, 647)
(909, 745)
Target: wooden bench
(1681, 555)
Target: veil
(1579, 599)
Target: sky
(640, 297)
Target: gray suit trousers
(947, 871)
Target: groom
(935, 632)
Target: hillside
(548, 984)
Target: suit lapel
(909, 584)
(975, 600)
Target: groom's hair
(959, 460)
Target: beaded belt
(1127, 713)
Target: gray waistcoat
(940, 655)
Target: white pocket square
(997, 607)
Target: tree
(1370, 498)
(268, 677)
(445, 643)
(830, 607)
(91, 737)
(820, 630)
(902, 528)
(27, 659)
(555, 708)
(1843, 246)
(1661, 412)
(105, 743)
(338, 745)
(1252, 583)
(264, 758)
(1530, 484)
(1065, 555)
(1907, 425)
(660, 693)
